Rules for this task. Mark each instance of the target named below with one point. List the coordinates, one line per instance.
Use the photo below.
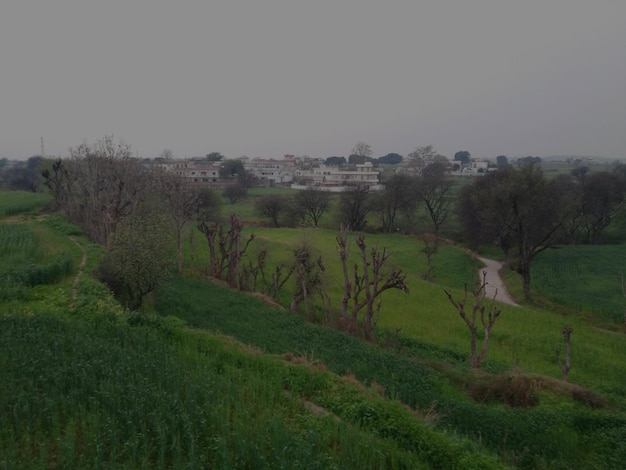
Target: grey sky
(266, 78)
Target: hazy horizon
(264, 79)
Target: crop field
(587, 278)
(178, 384)
(20, 202)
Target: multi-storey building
(337, 179)
(271, 172)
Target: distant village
(331, 174)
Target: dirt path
(494, 281)
(81, 268)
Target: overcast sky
(267, 78)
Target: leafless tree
(365, 287)
(181, 200)
(98, 186)
(226, 249)
(362, 149)
(434, 192)
(312, 204)
(486, 314)
(565, 367)
(421, 157)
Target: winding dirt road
(494, 281)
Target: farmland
(179, 383)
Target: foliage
(140, 258)
(462, 156)
(335, 161)
(390, 159)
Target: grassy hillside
(208, 377)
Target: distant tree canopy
(390, 159)
(231, 168)
(462, 156)
(336, 161)
(526, 160)
(214, 157)
(26, 176)
(502, 160)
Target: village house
(271, 172)
(338, 179)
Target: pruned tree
(308, 278)
(365, 286)
(226, 249)
(430, 249)
(567, 365)
(480, 312)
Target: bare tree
(308, 278)
(226, 249)
(235, 192)
(565, 367)
(181, 200)
(362, 149)
(399, 196)
(354, 206)
(98, 186)
(313, 203)
(421, 157)
(272, 206)
(430, 249)
(434, 190)
(365, 288)
(486, 314)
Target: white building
(332, 178)
(272, 171)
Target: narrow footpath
(494, 286)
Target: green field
(206, 377)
